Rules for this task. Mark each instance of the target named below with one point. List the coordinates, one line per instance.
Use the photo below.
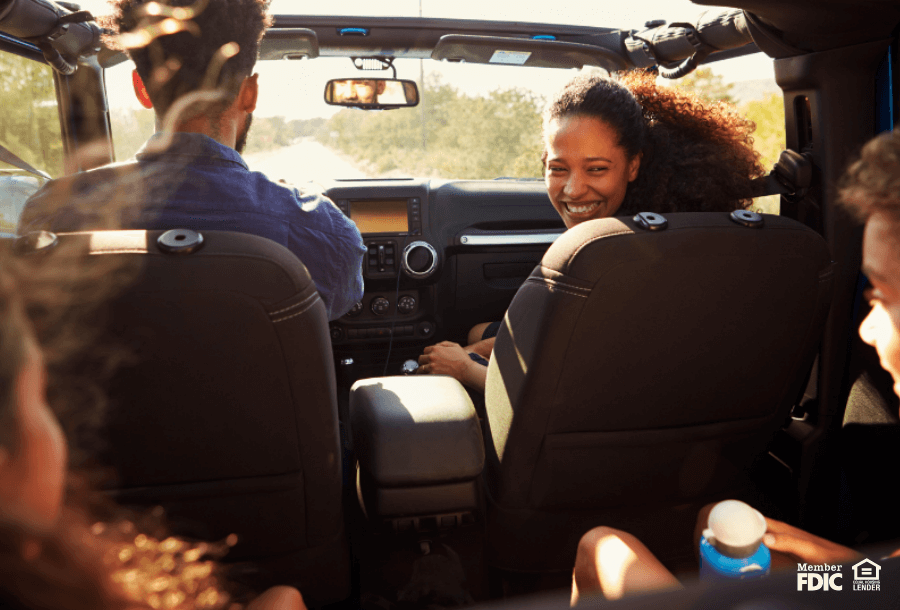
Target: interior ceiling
(819, 25)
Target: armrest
(418, 443)
(415, 430)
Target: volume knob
(419, 259)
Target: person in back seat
(614, 563)
(616, 147)
(196, 60)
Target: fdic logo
(819, 577)
(826, 577)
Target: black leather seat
(637, 375)
(228, 416)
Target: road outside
(304, 161)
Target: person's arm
(483, 348)
(351, 254)
(615, 563)
(278, 598)
(448, 358)
(331, 247)
(794, 545)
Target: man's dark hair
(214, 45)
(871, 184)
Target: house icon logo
(866, 576)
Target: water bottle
(731, 547)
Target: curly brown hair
(215, 44)
(697, 156)
(85, 565)
(871, 184)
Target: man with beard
(194, 65)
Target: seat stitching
(294, 315)
(275, 313)
(585, 291)
(597, 237)
(119, 251)
(555, 287)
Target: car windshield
(473, 122)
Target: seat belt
(9, 157)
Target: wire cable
(387, 360)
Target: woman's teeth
(582, 209)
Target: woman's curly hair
(697, 156)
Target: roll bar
(678, 48)
(60, 30)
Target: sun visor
(289, 43)
(524, 52)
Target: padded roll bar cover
(410, 431)
(719, 29)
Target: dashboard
(441, 257)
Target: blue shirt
(197, 183)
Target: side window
(29, 129)
(131, 123)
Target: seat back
(227, 414)
(638, 370)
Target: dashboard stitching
(294, 315)
(300, 304)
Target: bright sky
(310, 76)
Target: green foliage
(132, 127)
(269, 133)
(768, 140)
(769, 137)
(450, 135)
(30, 125)
(707, 85)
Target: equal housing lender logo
(827, 577)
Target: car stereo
(384, 216)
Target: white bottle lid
(735, 524)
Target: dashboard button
(426, 329)
(355, 310)
(379, 306)
(336, 333)
(406, 304)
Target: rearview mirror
(372, 93)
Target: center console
(399, 269)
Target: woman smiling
(619, 147)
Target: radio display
(380, 215)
